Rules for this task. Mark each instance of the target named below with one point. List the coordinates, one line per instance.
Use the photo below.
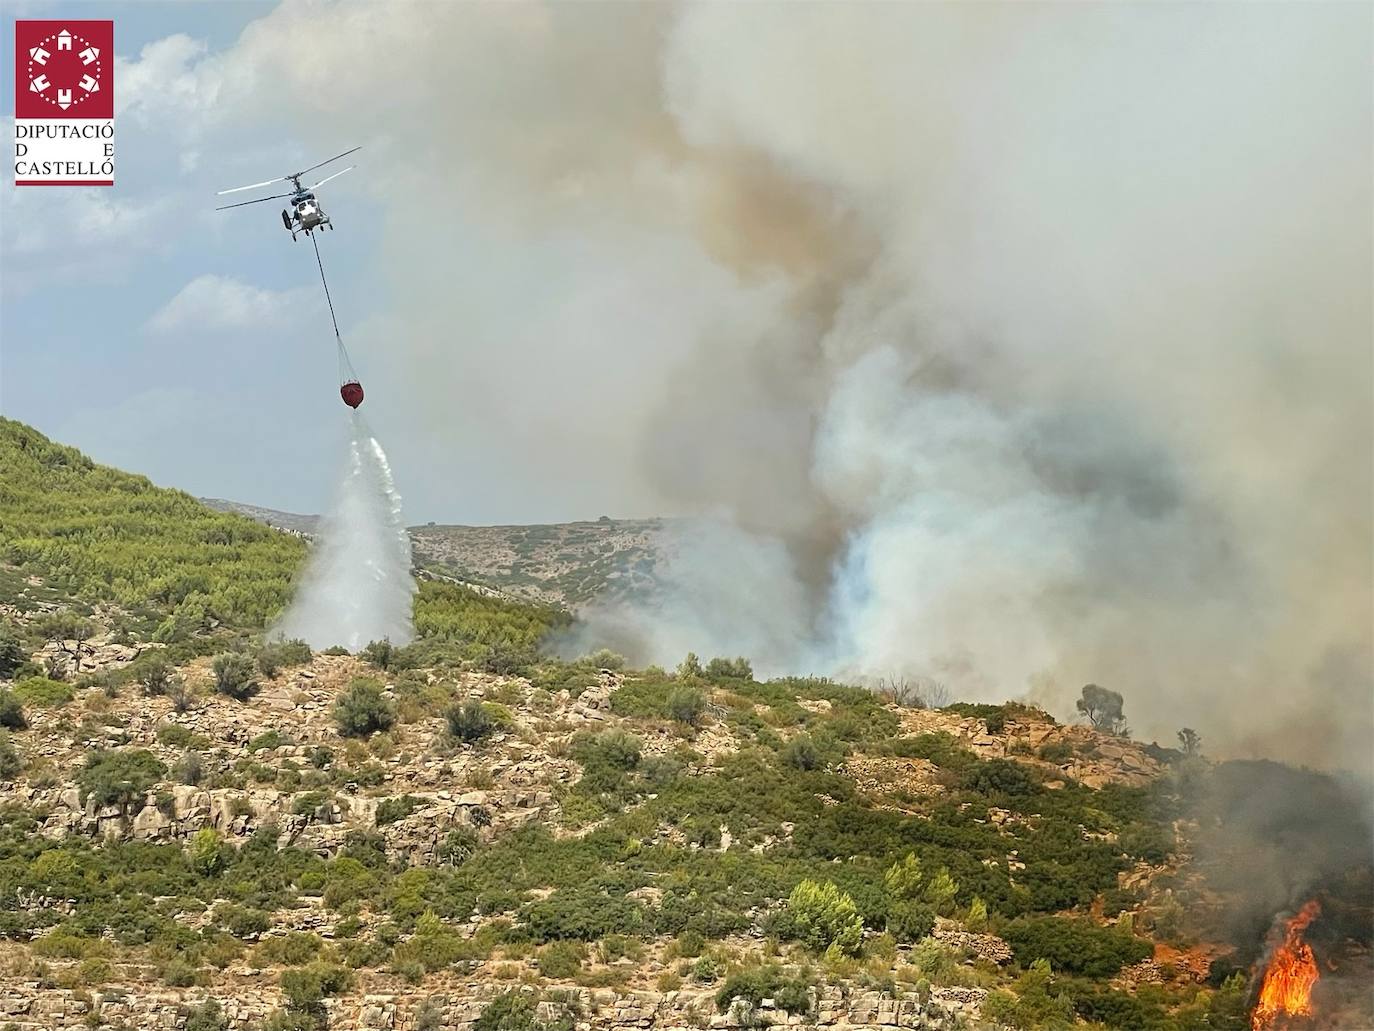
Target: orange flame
(1288, 980)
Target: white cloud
(164, 79)
(56, 234)
(212, 302)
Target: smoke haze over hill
(1017, 346)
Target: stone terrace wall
(27, 1007)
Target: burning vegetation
(1286, 990)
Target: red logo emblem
(64, 69)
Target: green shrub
(12, 654)
(177, 736)
(821, 916)
(153, 670)
(909, 921)
(179, 973)
(293, 949)
(705, 970)
(686, 704)
(208, 1016)
(274, 655)
(604, 658)
(306, 988)
(433, 946)
(458, 846)
(976, 919)
(207, 851)
(267, 741)
(582, 914)
(729, 669)
(1036, 1001)
(389, 810)
(690, 943)
(11, 712)
(379, 653)
(978, 710)
(561, 960)
(933, 960)
(1057, 752)
(235, 675)
(1074, 946)
(119, 777)
(10, 761)
(363, 709)
(190, 768)
(1149, 842)
(999, 776)
(803, 753)
(470, 721)
(944, 750)
(514, 1010)
(242, 921)
(66, 942)
(310, 803)
(940, 891)
(42, 693)
(615, 749)
(904, 879)
(767, 982)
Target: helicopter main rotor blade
(242, 203)
(255, 186)
(323, 163)
(329, 177)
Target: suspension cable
(320, 263)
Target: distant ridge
(304, 524)
(559, 563)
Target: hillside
(103, 537)
(564, 564)
(560, 563)
(200, 830)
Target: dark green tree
(1190, 741)
(1103, 709)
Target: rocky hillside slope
(413, 807)
(202, 830)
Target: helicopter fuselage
(305, 216)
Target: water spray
(357, 585)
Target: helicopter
(305, 215)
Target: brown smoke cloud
(1019, 346)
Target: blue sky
(100, 347)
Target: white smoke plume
(1019, 345)
(357, 584)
